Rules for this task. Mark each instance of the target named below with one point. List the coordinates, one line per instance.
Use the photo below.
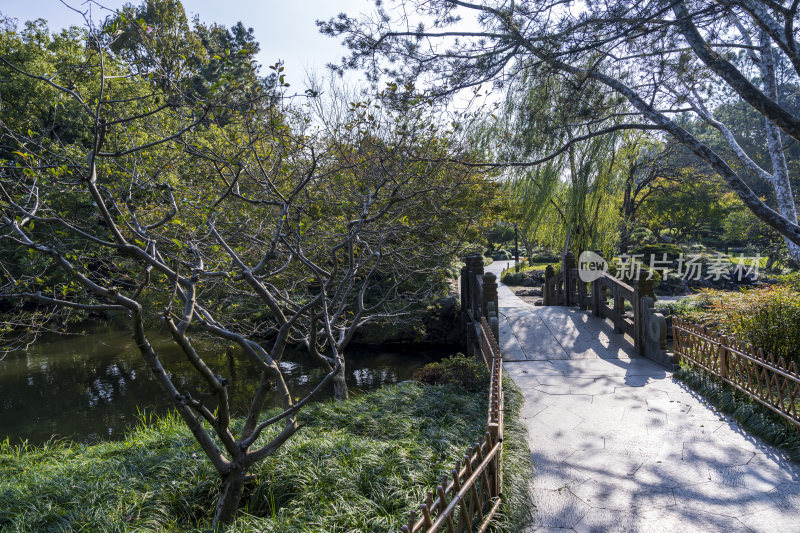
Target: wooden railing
(647, 328)
(768, 380)
(468, 499)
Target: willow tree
(569, 199)
(665, 59)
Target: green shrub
(459, 370)
(544, 257)
(658, 250)
(766, 317)
(502, 255)
(790, 280)
(510, 277)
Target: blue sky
(284, 28)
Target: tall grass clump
(517, 509)
(356, 466)
(754, 417)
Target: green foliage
(544, 257)
(501, 234)
(790, 280)
(502, 255)
(459, 370)
(359, 465)
(754, 417)
(692, 205)
(767, 317)
(570, 198)
(510, 277)
(658, 250)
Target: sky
(284, 28)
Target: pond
(89, 388)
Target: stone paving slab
(618, 446)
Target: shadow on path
(617, 445)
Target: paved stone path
(617, 445)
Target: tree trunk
(229, 496)
(780, 173)
(340, 384)
(770, 262)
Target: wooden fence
(764, 378)
(469, 497)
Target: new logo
(591, 266)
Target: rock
(528, 282)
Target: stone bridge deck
(617, 445)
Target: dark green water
(91, 388)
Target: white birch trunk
(780, 172)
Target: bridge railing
(766, 379)
(647, 328)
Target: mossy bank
(357, 466)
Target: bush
(790, 280)
(544, 257)
(459, 370)
(502, 255)
(510, 277)
(766, 317)
(658, 250)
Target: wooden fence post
(723, 356)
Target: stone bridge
(617, 445)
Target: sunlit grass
(361, 465)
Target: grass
(359, 465)
(510, 276)
(754, 417)
(517, 512)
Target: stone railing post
(491, 309)
(546, 292)
(474, 268)
(596, 292)
(567, 264)
(654, 333)
(641, 287)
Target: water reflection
(92, 387)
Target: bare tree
(667, 59)
(242, 222)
